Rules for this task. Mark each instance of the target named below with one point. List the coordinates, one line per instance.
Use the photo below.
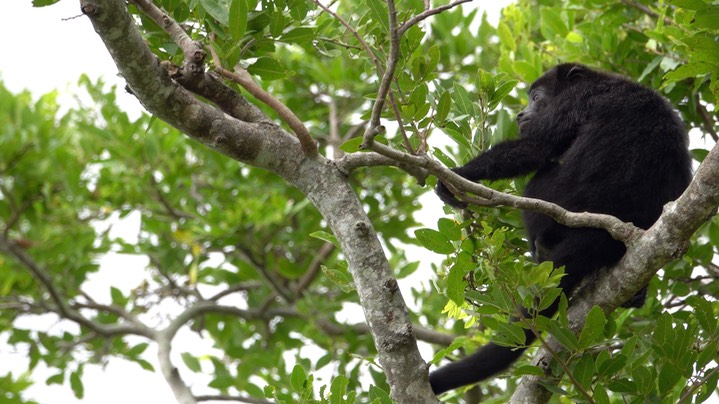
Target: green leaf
(505, 36)
(117, 297)
(707, 354)
(407, 270)
(137, 349)
(593, 329)
(623, 385)
(299, 35)
(443, 106)
(323, 361)
(76, 384)
(216, 10)
(352, 145)
(529, 370)
(267, 69)
(378, 12)
(609, 367)
(43, 3)
(690, 70)
(575, 37)
(191, 362)
(704, 311)
(600, 395)
(462, 100)
(238, 19)
(459, 138)
(450, 228)
(669, 375)
(338, 389)
(455, 285)
(696, 5)
(552, 24)
(584, 371)
(564, 336)
(434, 241)
(298, 378)
(513, 332)
(323, 235)
(145, 365)
(55, 379)
(502, 91)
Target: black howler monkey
(598, 143)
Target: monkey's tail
(483, 364)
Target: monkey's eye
(535, 96)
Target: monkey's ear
(576, 71)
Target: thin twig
(707, 120)
(428, 13)
(61, 307)
(313, 269)
(698, 384)
(385, 85)
(354, 33)
(240, 399)
(243, 78)
(192, 50)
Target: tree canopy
(276, 180)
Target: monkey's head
(559, 99)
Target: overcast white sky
(46, 49)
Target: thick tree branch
(665, 241)
(268, 146)
(195, 56)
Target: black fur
(598, 143)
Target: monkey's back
(628, 159)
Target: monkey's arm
(505, 160)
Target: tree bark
(255, 140)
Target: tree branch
(351, 162)
(619, 230)
(268, 146)
(243, 78)
(707, 120)
(195, 55)
(428, 13)
(385, 85)
(58, 300)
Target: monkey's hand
(447, 196)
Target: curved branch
(351, 162)
(428, 13)
(243, 78)
(625, 232)
(61, 307)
